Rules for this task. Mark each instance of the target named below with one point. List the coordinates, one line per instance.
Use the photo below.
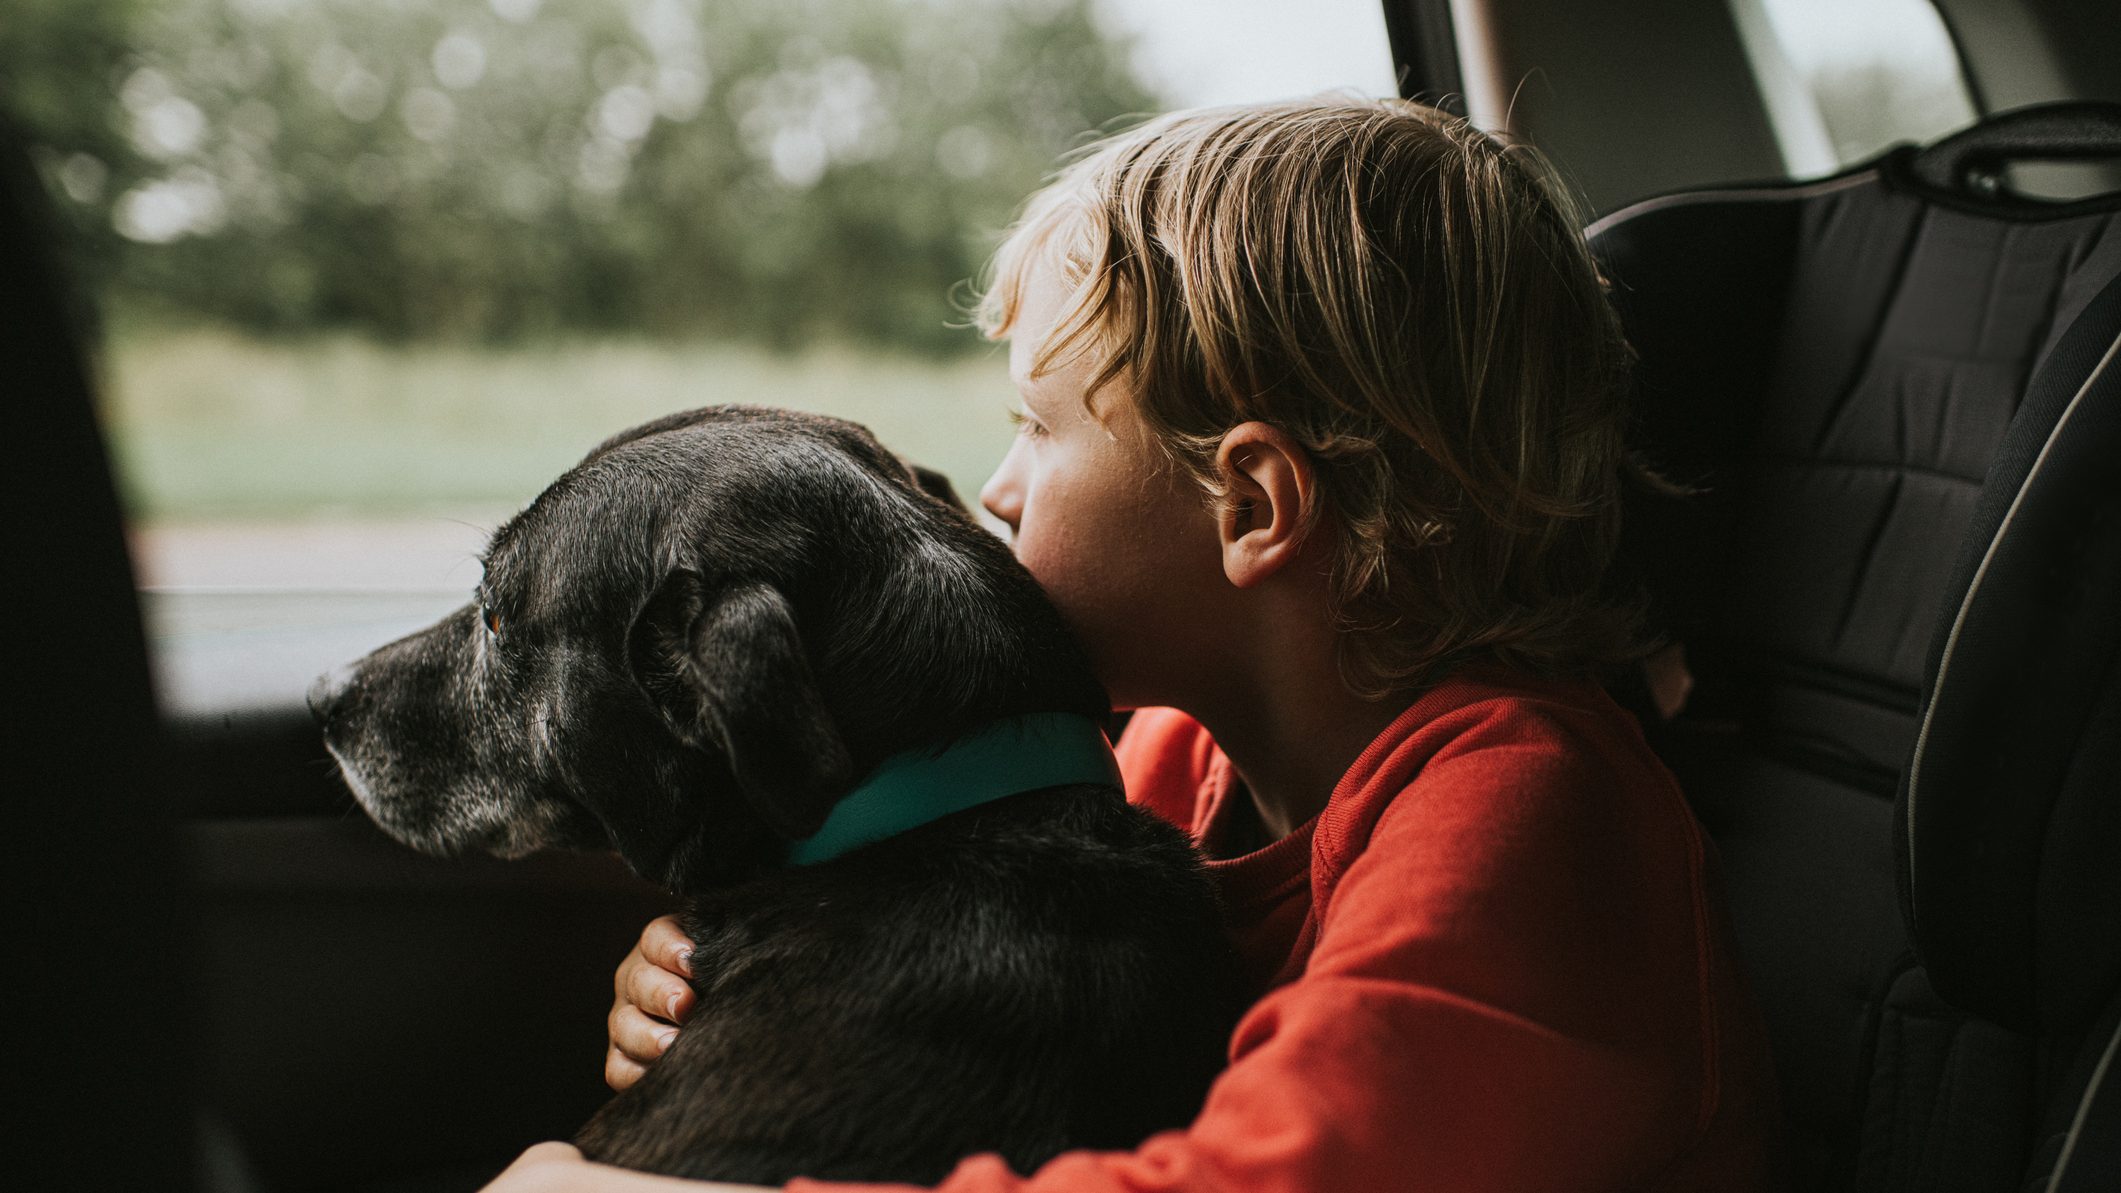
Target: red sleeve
(1504, 994)
(1163, 758)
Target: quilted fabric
(1832, 368)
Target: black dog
(692, 648)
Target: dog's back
(1041, 973)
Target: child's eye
(1025, 424)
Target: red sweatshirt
(1495, 961)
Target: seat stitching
(1870, 547)
(1871, 344)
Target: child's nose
(1003, 494)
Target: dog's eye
(492, 618)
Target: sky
(1229, 51)
(1233, 51)
(1826, 33)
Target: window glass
(1844, 81)
(372, 272)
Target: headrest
(1968, 166)
(1831, 366)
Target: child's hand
(653, 998)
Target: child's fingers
(655, 990)
(666, 945)
(620, 1072)
(650, 994)
(636, 1036)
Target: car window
(1844, 81)
(393, 261)
(370, 274)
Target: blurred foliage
(777, 170)
(61, 64)
(215, 424)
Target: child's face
(1126, 550)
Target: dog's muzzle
(325, 693)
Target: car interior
(1887, 395)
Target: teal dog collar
(919, 787)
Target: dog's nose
(327, 689)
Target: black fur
(707, 632)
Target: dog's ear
(935, 484)
(726, 668)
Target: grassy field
(216, 426)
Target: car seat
(1894, 400)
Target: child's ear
(726, 668)
(1272, 487)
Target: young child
(1320, 452)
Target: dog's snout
(328, 688)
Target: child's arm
(559, 1168)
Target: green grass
(215, 425)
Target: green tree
(61, 66)
(778, 170)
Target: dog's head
(692, 645)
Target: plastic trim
(1803, 190)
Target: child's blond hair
(1412, 301)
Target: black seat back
(2010, 806)
(1835, 367)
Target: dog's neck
(919, 787)
(965, 646)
